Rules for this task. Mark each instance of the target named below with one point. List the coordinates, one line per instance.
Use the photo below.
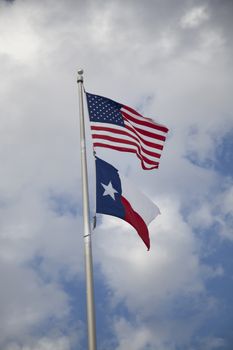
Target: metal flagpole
(91, 326)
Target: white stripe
(129, 147)
(117, 127)
(125, 138)
(148, 138)
(148, 120)
(146, 128)
(122, 144)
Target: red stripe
(150, 134)
(146, 142)
(148, 122)
(154, 165)
(123, 132)
(134, 219)
(138, 131)
(145, 159)
(138, 145)
(131, 110)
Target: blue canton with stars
(104, 110)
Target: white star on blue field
(109, 190)
(171, 61)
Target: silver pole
(91, 326)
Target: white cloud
(130, 337)
(215, 214)
(58, 343)
(212, 343)
(26, 301)
(142, 278)
(127, 55)
(18, 39)
(194, 17)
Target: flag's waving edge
(119, 127)
(116, 197)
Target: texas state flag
(115, 196)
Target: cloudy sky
(171, 60)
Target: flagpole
(91, 324)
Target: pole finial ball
(80, 71)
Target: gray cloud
(178, 54)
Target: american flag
(121, 128)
